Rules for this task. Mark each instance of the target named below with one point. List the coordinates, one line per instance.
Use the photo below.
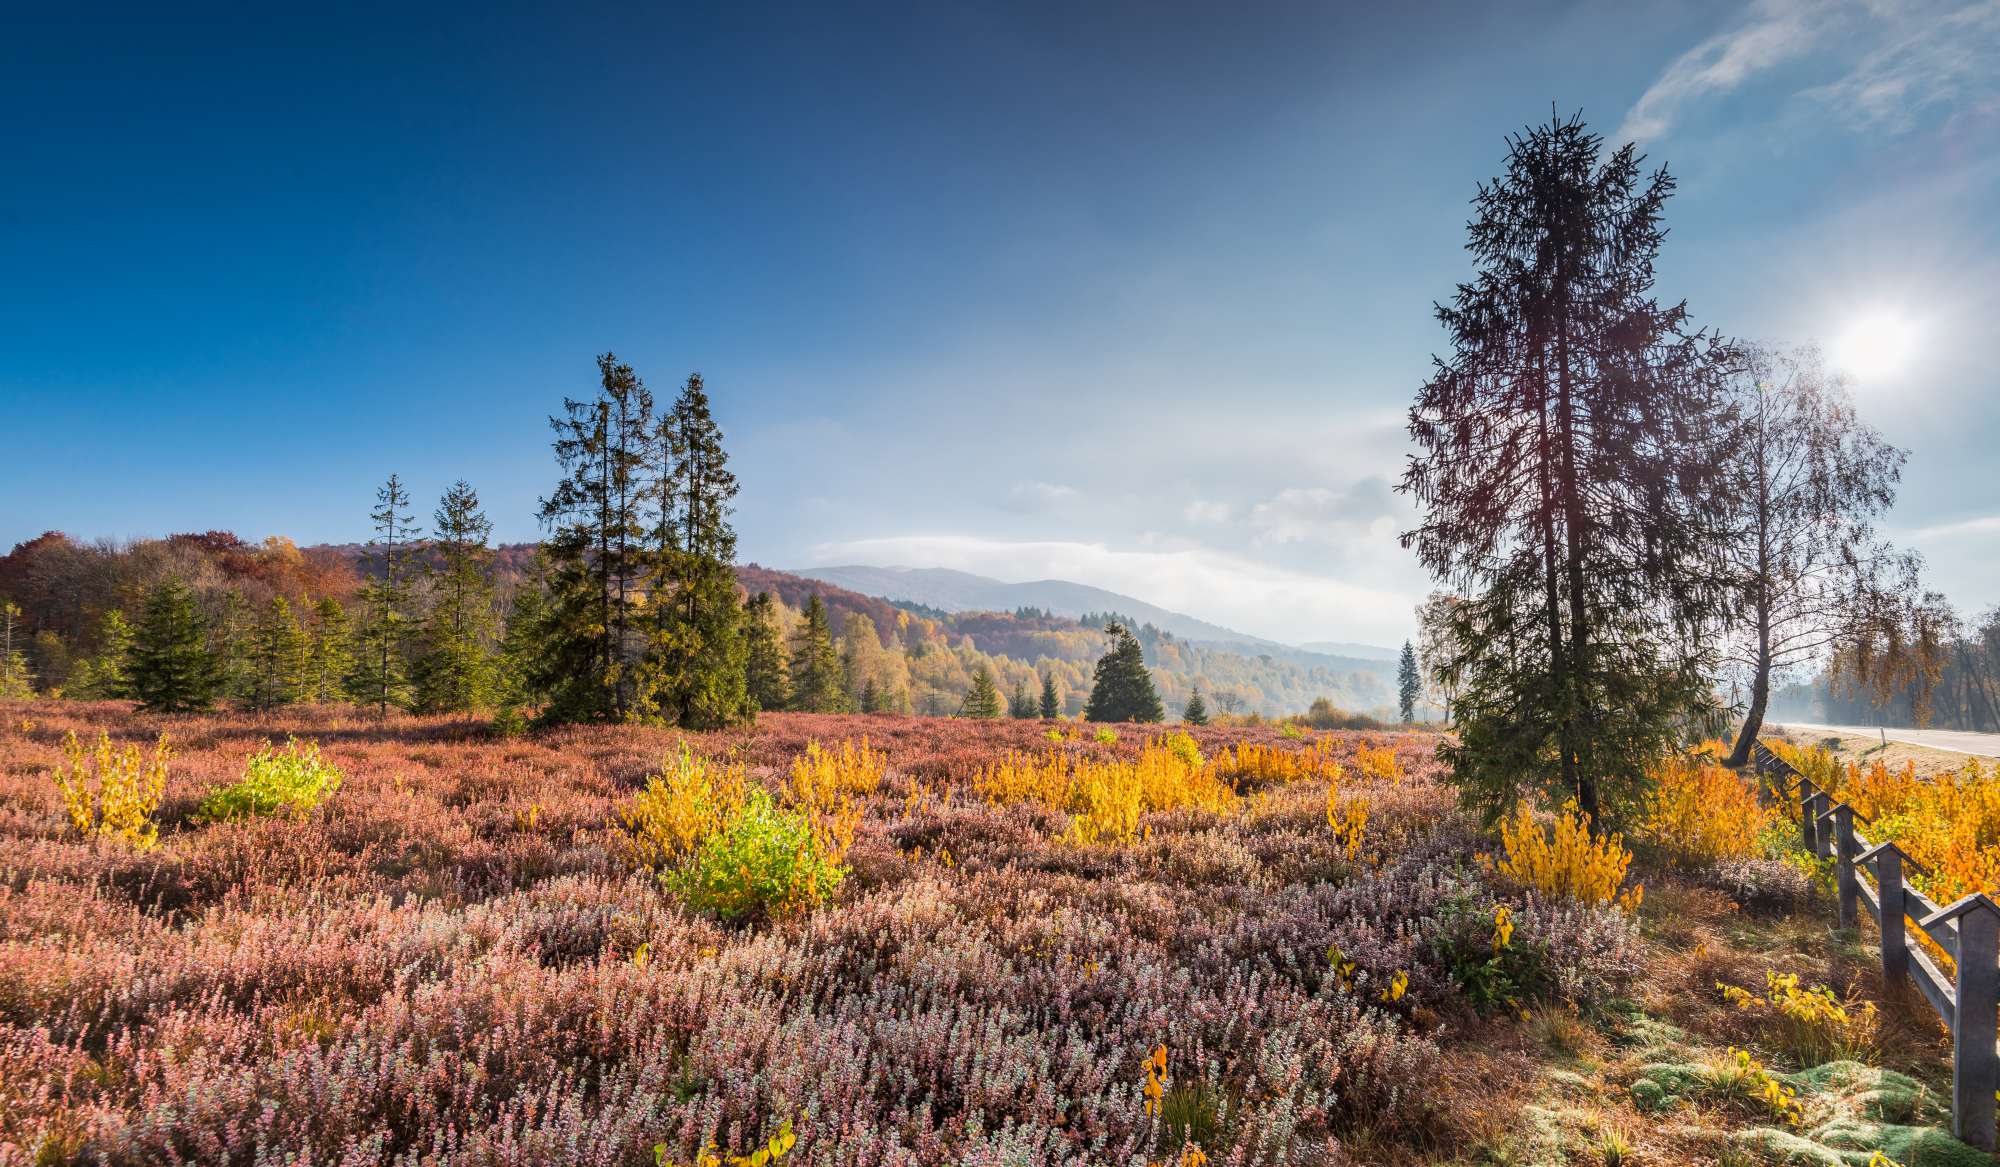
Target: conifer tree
(229, 640)
(108, 673)
(815, 665)
(17, 681)
(764, 659)
(696, 658)
(1021, 704)
(1121, 689)
(278, 653)
(1196, 712)
(331, 657)
(454, 670)
(983, 699)
(1051, 703)
(1569, 471)
(522, 643)
(381, 673)
(596, 550)
(173, 670)
(871, 697)
(1409, 683)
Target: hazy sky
(1133, 294)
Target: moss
(1662, 1085)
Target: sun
(1875, 346)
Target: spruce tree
(696, 655)
(454, 669)
(1021, 705)
(381, 671)
(1121, 689)
(108, 673)
(1569, 476)
(815, 665)
(871, 697)
(229, 642)
(17, 681)
(522, 640)
(1051, 703)
(764, 659)
(173, 670)
(279, 648)
(1196, 712)
(331, 657)
(596, 551)
(1409, 683)
(983, 699)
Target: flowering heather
(457, 960)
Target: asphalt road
(1986, 745)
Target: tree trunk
(1760, 699)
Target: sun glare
(1875, 346)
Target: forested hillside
(918, 660)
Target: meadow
(1043, 945)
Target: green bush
(293, 781)
(764, 860)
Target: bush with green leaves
(290, 781)
(766, 859)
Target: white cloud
(1773, 31)
(1926, 57)
(1239, 593)
(1203, 511)
(1040, 496)
(1316, 514)
(1982, 526)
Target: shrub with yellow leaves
(822, 776)
(1567, 861)
(1378, 762)
(688, 800)
(774, 1150)
(1810, 1025)
(1105, 797)
(1348, 817)
(1251, 764)
(112, 791)
(1700, 812)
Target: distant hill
(961, 591)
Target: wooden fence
(1968, 931)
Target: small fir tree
(764, 659)
(381, 675)
(454, 670)
(108, 674)
(173, 670)
(278, 658)
(1409, 683)
(331, 656)
(1196, 712)
(983, 700)
(1021, 704)
(1122, 689)
(1051, 702)
(815, 669)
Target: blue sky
(1134, 294)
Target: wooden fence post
(1975, 1065)
(1808, 807)
(1845, 877)
(1888, 859)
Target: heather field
(463, 955)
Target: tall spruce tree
(696, 658)
(523, 638)
(173, 670)
(1051, 702)
(278, 658)
(382, 642)
(1121, 689)
(454, 668)
(983, 699)
(331, 657)
(1196, 712)
(596, 550)
(815, 667)
(108, 672)
(1409, 683)
(764, 659)
(1569, 474)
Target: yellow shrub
(1348, 818)
(820, 776)
(1701, 812)
(1260, 765)
(690, 798)
(1566, 862)
(1378, 762)
(1106, 796)
(113, 791)
(1809, 1025)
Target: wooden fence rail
(1968, 931)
